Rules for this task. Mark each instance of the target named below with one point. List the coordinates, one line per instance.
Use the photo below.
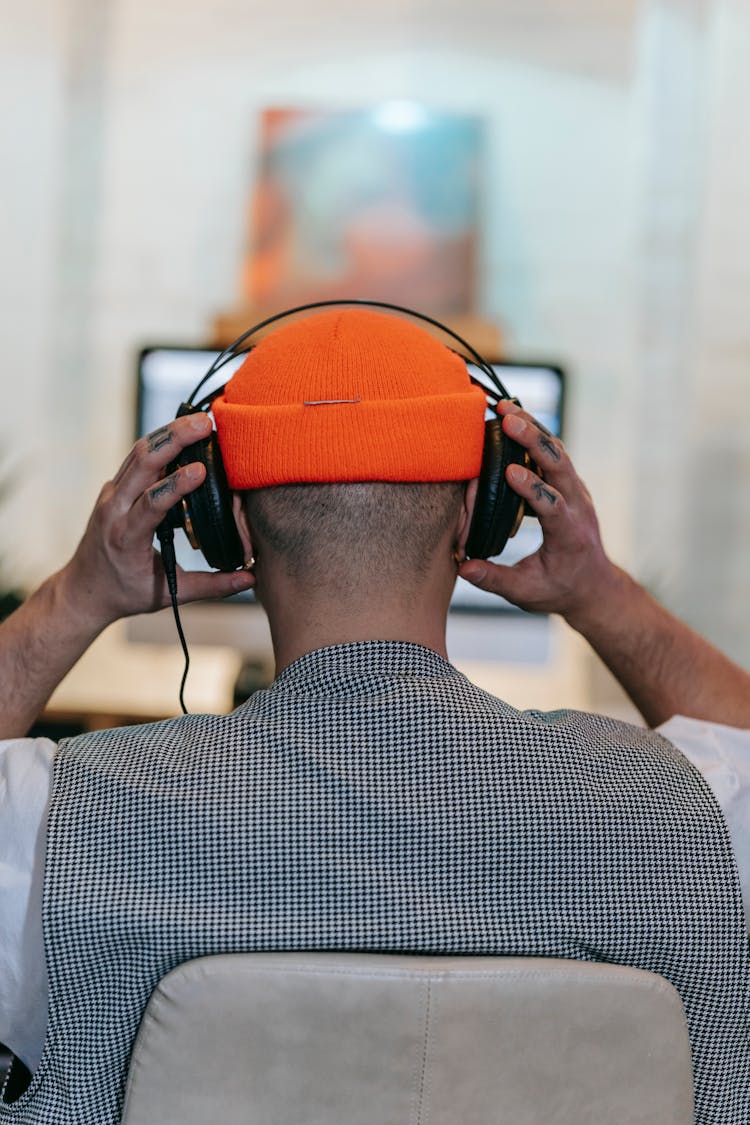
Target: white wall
(716, 570)
(614, 232)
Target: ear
(467, 511)
(243, 527)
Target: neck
(302, 620)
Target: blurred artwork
(381, 204)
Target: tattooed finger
(547, 443)
(158, 438)
(165, 487)
(543, 493)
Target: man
(372, 798)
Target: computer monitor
(167, 375)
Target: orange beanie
(349, 394)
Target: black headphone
(206, 514)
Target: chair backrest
(371, 1039)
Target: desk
(118, 682)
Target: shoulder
(169, 741)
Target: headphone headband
(236, 348)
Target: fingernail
(198, 421)
(242, 580)
(514, 425)
(194, 471)
(516, 473)
(475, 574)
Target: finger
(495, 578)
(153, 453)
(159, 497)
(529, 432)
(543, 499)
(136, 526)
(508, 406)
(546, 450)
(163, 444)
(197, 585)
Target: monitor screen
(168, 375)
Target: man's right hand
(665, 667)
(570, 571)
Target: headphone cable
(165, 535)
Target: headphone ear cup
(208, 516)
(498, 509)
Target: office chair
(380, 1039)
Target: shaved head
(354, 533)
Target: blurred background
(598, 153)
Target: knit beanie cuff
(419, 439)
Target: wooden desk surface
(118, 681)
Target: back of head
(356, 535)
(350, 431)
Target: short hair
(353, 532)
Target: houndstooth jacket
(374, 799)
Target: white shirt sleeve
(25, 772)
(722, 755)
